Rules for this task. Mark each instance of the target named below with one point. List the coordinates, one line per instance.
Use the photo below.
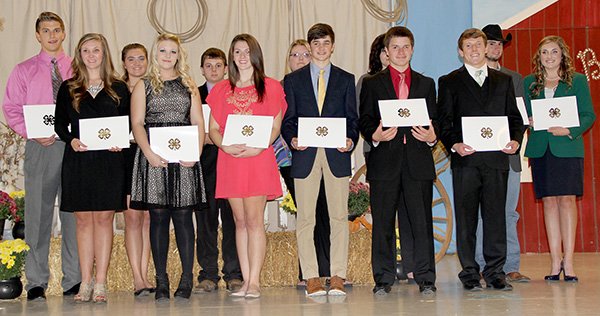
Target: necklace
(94, 90)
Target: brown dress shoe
(336, 287)
(517, 277)
(314, 287)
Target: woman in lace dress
(167, 96)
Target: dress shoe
(162, 288)
(336, 286)
(37, 292)
(382, 289)
(517, 277)
(234, 285)
(427, 288)
(472, 285)
(314, 287)
(73, 290)
(184, 289)
(555, 277)
(499, 284)
(143, 292)
(206, 286)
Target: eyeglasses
(297, 55)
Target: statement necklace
(94, 90)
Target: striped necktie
(56, 79)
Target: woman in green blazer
(556, 154)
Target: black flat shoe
(427, 288)
(473, 286)
(35, 293)
(142, 292)
(162, 288)
(500, 285)
(73, 290)
(184, 290)
(382, 289)
(571, 278)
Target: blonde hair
(298, 42)
(565, 70)
(181, 66)
(79, 84)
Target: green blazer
(561, 146)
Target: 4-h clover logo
(49, 119)
(174, 144)
(322, 131)
(402, 112)
(486, 132)
(554, 112)
(104, 133)
(247, 130)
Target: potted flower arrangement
(18, 214)
(8, 206)
(12, 260)
(358, 205)
(288, 204)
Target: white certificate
(39, 120)
(175, 143)
(325, 132)
(105, 132)
(402, 113)
(252, 130)
(554, 112)
(485, 133)
(206, 114)
(522, 110)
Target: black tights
(184, 235)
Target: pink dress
(252, 176)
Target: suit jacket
(562, 146)
(386, 159)
(460, 95)
(515, 160)
(203, 92)
(340, 101)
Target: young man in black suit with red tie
(214, 67)
(321, 89)
(400, 169)
(478, 178)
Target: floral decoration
(358, 200)
(12, 258)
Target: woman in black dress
(93, 182)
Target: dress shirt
(30, 83)
(472, 70)
(395, 75)
(209, 86)
(314, 77)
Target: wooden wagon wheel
(443, 224)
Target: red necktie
(403, 92)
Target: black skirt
(554, 176)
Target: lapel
(470, 84)
(414, 84)
(305, 77)
(386, 82)
(561, 90)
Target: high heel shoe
(85, 292)
(184, 290)
(99, 293)
(569, 278)
(555, 277)
(162, 288)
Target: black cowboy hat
(494, 33)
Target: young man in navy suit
(214, 67)
(321, 89)
(400, 169)
(478, 178)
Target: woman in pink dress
(247, 176)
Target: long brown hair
(565, 70)
(181, 66)
(79, 84)
(256, 59)
(124, 52)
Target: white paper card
(486, 133)
(105, 132)
(175, 143)
(206, 114)
(325, 132)
(554, 112)
(402, 113)
(252, 130)
(39, 120)
(522, 110)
